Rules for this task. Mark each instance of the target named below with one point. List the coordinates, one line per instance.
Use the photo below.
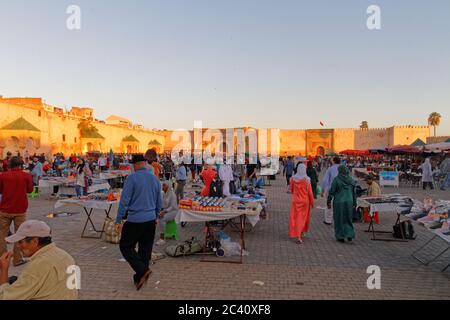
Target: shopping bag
(111, 235)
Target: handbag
(404, 230)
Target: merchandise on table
(208, 204)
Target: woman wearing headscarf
(312, 174)
(169, 209)
(208, 175)
(342, 194)
(427, 174)
(83, 174)
(301, 204)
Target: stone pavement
(321, 268)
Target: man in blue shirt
(288, 169)
(140, 205)
(327, 180)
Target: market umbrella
(438, 147)
(404, 149)
(356, 153)
(378, 150)
(331, 154)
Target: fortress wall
(408, 134)
(344, 139)
(292, 142)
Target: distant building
(31, 124)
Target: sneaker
(160, 242)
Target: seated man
(373, 189)
(45, 276)
(169, 210)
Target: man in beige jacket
(49, 273)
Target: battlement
(411, 127)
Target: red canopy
(356, 153)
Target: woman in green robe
(312, 174)
(342, 193)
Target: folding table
(89, 206)
(387, 207)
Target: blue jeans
(79, 190)
(446, 182)
(251, 181)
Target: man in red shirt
(15, 184)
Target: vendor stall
(207, 210)
(393, 203)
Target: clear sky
(229, 63)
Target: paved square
(321, 268)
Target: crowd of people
(149, 201)
(340, 189)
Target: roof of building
(155, 142)
(418, 143)
(130, 138)
(20, 124)
(89, 133)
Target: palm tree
(364, 125)
(434, 120)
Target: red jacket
(14, 187)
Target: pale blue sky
(286, 64)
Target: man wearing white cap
(45, 276)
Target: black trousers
(427, 183)
(143, 235)
(288, 178)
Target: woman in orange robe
(301, 204)
(208, 177)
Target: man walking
(140, 205)
(288, 169)
(330, 174)
(15, 184)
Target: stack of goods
(112, 196)
(208, 204)
(98, 196)
(185, 204)
(404, 203)
(435, 216)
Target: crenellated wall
(59, 132)
(406, 135)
